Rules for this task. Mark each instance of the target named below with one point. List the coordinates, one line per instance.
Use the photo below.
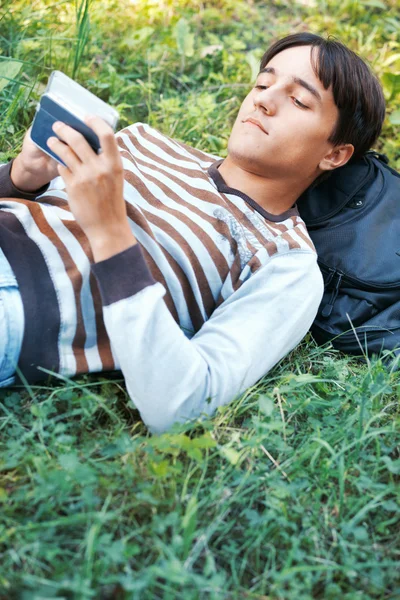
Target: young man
(192, 275)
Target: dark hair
(356, 91)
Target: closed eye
(298, 103)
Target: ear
(337, 157)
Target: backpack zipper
(348, 338)
(328, 308)
(356, 283)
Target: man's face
(284, 123)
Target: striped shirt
(216, 291)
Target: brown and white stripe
(200, 239)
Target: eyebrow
(298, 81)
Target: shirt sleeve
(171, 378)
(8, 189)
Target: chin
(248, 158)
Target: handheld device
(67, 101)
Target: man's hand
(32, 168)
(94, 184)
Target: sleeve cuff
(8, 189)
(122, 275)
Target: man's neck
(275, 195)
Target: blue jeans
(11, 322)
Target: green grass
(292, 491)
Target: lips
(255, 122)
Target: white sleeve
(171, 378)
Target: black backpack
(353, 218)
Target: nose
(266, 101)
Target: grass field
(292, 491)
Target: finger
(66, 154)
(105, 134)
(64, 172)
(75, 141)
